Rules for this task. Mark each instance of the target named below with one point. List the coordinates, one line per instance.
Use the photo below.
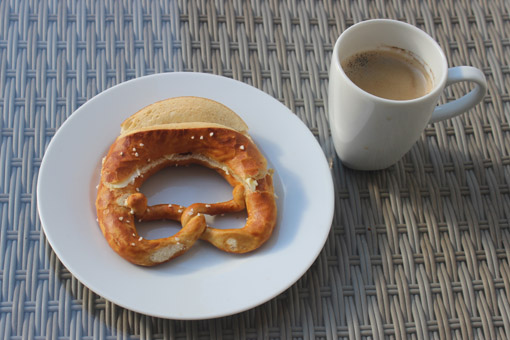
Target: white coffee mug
(370, 132)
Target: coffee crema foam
(390, 73)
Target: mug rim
(439, 83)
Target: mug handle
(453, 108)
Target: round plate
(204, 282)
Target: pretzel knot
(140, 152)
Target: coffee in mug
(390, 73)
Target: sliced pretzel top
(183, 110)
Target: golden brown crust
(261, 209)
(145, 148)
(135, 156)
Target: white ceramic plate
(204, 282)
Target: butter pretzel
(143, 149)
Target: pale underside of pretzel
(134, 157)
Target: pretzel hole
(184, 186)
(233, 220)
(152, 230)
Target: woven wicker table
(417, 251)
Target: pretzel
(143, 149)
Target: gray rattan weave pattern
(417, 251)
